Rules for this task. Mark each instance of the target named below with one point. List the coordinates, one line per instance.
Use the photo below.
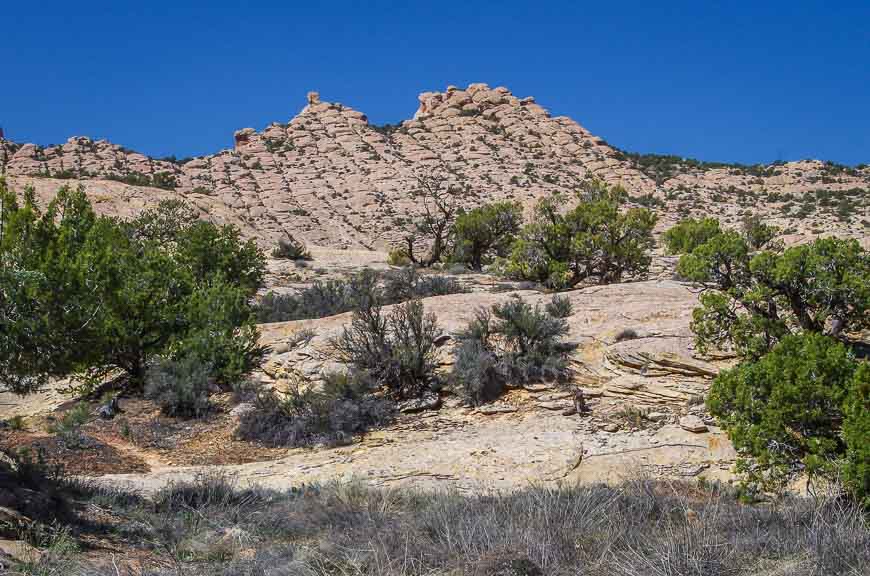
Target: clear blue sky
(732, 81)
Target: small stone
(691, 470)
(109, 410)
(242, 409)
(442, 340)
(554, 396)
(554, 405)
(427, 402)
(657, 416)
(611, 427)
(490, 409)
(538, 387)
(569, 411)
(693, 424)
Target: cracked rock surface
(524, 436)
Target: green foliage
(395, 351)
(757, 233)
(69, 428)
(594, 240)
(179, 387)
(649, 200)
(210, 252)
(486, 232)
(513, 342)
(689, 234)
(164, 180)
(407, 284)
(291, 249)
(784, 412)
(221, 332)
(856, 435)
(330, 297)
(45, 288)
(86, 295)
(164, 223)
(398, 257)
(755, 298)
(560, 307)
(797, 403)
(663, 167)
(16, 422)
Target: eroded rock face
(531, 434)
(330, 178)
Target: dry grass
(642, 528)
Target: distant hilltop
(334, 179)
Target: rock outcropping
(333, 179)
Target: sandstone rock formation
(333, 179)
(527, 435)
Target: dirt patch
(168, 441)
(94, 458)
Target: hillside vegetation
(662, 362)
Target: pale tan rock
(692, 423)
(496, 408)
(19, 550)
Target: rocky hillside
(333, 179)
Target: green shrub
(560, 307)
(164, 180)
(689, 234)
(291, 249)
(510, 343)
(626, 334)
(85, 295)
(398, 257)
(485, 233)
(785, 413)
(757, 233)
(330, 297)
(754, 299)
(17, 423)
(223, 335)
(476, 371)
(856, 435)
(306, 415)
(649, 201)
(407, 284)
(395, 351)
(69, 427)
(180, 387)
(164, 223)
(593, 241)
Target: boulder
(109, 410)
(242, 409)
(426, 402)
(692, 423)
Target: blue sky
(730, 81)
